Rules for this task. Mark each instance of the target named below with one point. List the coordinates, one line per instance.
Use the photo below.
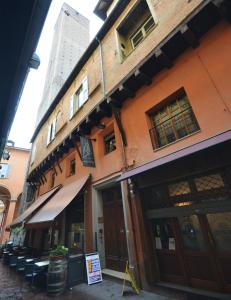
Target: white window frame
(51, 131)
(78, 99)
(143, 31)
(33, 152)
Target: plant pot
(57, 275)
(57, 257)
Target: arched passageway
(5, 197)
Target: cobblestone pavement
(13, 286)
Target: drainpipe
(101, 66)
(125, 198)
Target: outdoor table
(42, 264)
(41, 269)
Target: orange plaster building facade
(143, 151)
(12, 178)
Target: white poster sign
(94, 274)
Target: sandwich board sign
(94, 273)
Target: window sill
(108, 153)
(70, 175)
(183, 138)
(50, 143)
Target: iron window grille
(173, 122)
(109, 143)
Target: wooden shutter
(49, 134)
(71, 111)
(53, 129)
(33, 151)
(85, 89)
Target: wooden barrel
(56, 277)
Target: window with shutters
(4, 171)
(173, 121)
(51, 131)
(141, 33)
(135, 28)
(33, 152)
(78, 99)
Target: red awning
(33, 207)
(215, 140)
(58, 203)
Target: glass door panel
(191, 233)
(168, 255)
(220, 227)
(199, 263)
(163, 233)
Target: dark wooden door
(165, 241)
(185, 252)
(198, 253)
(218, 226)
(114, 231)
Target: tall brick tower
(71, 38)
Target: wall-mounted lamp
(6, 155)
(34, 62)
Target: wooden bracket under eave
(116, 112)
(79, 153)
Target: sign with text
(94, 274)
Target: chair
(13, 261)
(6, 257)
(20, 266)
(31, 272)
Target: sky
(24, 123)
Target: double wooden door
(195, 250)
(114, 230)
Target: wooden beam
(84, 128)
(114, 102)
(141, 76)
(90, 122)
(103, 111)
(64, 147)
(44, 177)
(116, 112)
(78, 152)
(189, 36)
(55, 170)
(163, 58)
(127, 92)
(224, 7)
(60, 169)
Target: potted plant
(59, 252)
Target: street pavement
(13, 286)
